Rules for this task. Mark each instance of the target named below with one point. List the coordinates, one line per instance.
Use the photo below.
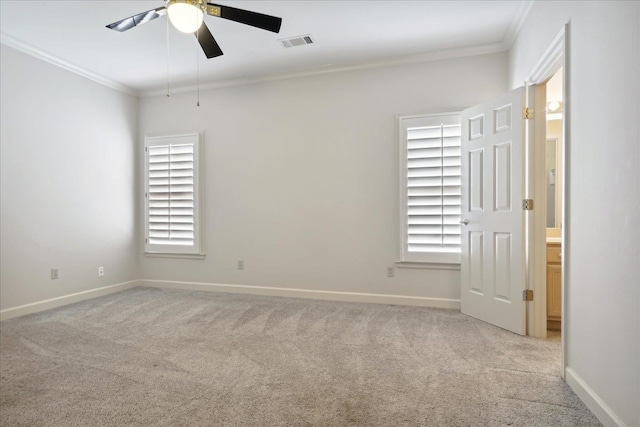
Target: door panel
(492, 270)
(476, 260)
(502, 245)
(475, 182)
(502, 176)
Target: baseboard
(241, 289)
(306, 293)
(596, 405)
(36, 307)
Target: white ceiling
(346, 33)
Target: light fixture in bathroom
(554, 106)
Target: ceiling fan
(188, 16)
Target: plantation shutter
(433, 189)
(431, 183)
(171, 195)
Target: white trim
(516, 23)
(196, 250)
(390, 62)
(591, 399)
(427, 265)
(52, 59)
(551, 60)
(306, 293)
(52, 303)
(48, 304)
(537, 222)
(549, 63)
(172, 255)
(403, 123)
(535, 246)
(566, 227)
(401, 60)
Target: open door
(493, 229)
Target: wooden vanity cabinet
(554, 287)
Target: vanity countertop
(554, 239)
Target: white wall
(68, 194)
(301, 175)
(603, 198)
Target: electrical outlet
(100, 271)
(240, 264)
(391, 271)
(54, 273)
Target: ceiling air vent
(296, 41)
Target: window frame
(405, 257)
(183, 251)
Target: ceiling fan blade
(139, 19)
(207, 42)
(255, 19)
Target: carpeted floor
(150, 357)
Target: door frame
(556, 55)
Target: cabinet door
(554, 292)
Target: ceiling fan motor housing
(197, 3)
(189, 18)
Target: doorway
(552, 204)
(534, 184)
(555, 60)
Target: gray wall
(68, 194)
(301, 175)
(603, 190)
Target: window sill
(427, 265)
(170, 255)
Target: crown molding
(391, 62)
(52, 59)
(524, 7)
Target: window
(430, 188)
(172, 196)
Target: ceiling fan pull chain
(167, 58)
(198, 73)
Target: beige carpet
(149, 357)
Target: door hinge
(146, 240)
(527, 205)
(527, 295)
(527, 113)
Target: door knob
(464, 222)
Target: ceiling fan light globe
(185, 17)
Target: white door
(493, 168)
